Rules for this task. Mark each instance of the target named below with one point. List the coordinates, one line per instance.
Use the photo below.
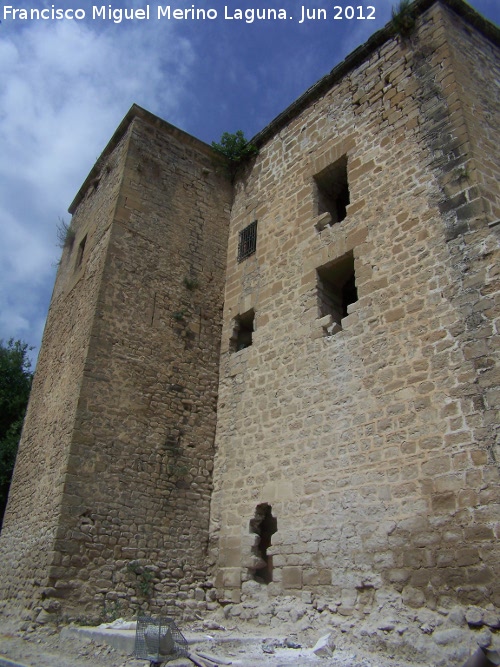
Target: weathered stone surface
(449, 636)
(371, 445)
(325, 646)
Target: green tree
(233, 149)
(15, 385)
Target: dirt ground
(239, 646)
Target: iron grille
(159, 640)
(248, 241)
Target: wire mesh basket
(159, 640)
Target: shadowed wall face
(32, 523)
(135, 478)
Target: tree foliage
(234, 149)
(15, 385)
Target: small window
(333, 191)
(336, 291)
(248, 241)
(243, 331)
(81, 250)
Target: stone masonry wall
(373, 445)
(477, 72)
(143, 442)
(31, 522)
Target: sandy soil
(44, 647)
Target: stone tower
(111, 493)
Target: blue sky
(65, 85)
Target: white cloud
(65, 86)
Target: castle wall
(355, 365)
(369, 442)
(134, 500)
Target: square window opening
(336, 291)
(243, 331)
(247, 243)
(333, 191)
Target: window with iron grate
(247, 241)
